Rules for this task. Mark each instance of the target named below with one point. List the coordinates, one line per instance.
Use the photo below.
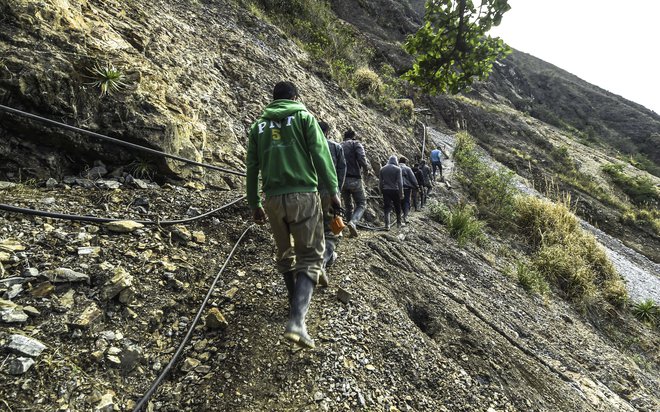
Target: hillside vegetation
(493, 298)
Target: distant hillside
(561, 99)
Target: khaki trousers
(297, 216)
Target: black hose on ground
(172, 362)
(93, 219)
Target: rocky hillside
(413, 320)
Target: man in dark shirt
(353, 190)
(391, 186)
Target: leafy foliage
(641, 189)
(492, 188)
(314, 25)
(461, 221)
(530, 278)
(565, 254)
(451, 49)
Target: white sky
(613, 44)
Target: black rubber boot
(290, 282)
(296, 330)
(387, 221)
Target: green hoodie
(289, 149)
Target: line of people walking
(303, 173)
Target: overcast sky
(610, 43)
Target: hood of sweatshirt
(393, 161)
(279, 109)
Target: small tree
(451, 49)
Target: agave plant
(107, 78)
(647, 311)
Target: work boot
(290, 282)
(323, 279)
(352, 229)
(332, 260)
(296, 330)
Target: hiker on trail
(331, 240)
(436, 161)
(391, 186)
(356, 162)
(427, 179)
(287, 146)
(409, 184)
(418, 192)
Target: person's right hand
(259, 215)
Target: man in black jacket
(353, 190)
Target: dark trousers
(354, 191)
(422, 193)
(437, 165)
(391, 200)
(407, 191)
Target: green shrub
(530, 279)
(567, 256)
(367, 82)
(493, 189)
(318, 31)
(463, 225)
(402, 109)
(640, 189)
(438, 211)
(647, 311)
(142, 169)
(460, 221)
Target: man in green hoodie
(289, 149)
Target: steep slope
(196, 75)
(563, 100)
(429, 325)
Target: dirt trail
(642, 276)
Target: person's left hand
(259, 216)
(335, 202)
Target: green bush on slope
(460, 221)
(564, 254)
(492, 189)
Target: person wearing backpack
(427, 180)
(353, 191)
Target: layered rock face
(193, 78)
